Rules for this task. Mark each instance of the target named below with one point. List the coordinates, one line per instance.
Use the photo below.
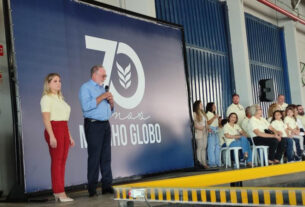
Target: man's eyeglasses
(102, 76)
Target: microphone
(107, 90)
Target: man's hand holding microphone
(109, 96)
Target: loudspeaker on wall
(266, 90)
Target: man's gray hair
(95, 68)
(253, 109)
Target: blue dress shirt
(87, 97)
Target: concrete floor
(82, 199)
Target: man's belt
(94, 120)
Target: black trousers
(98, 136)
(276, 148)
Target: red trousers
(59, 154)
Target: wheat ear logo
(124, 75)
(111, 49)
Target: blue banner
(145, 66)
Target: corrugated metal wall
(266, 56)
(207, 50)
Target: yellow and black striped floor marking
(223, 196)
(196, 188)
(219, 178)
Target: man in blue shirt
(97, 106)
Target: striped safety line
(224, 196)
(220, 178)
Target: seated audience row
(283, 133)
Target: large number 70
(111, 49)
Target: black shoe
(108, 190)
(297, 158)
(94, 194)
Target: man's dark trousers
(98, 136)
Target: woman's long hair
(209, 107)
(273, 115)
(291, 109)
(47, 80)
(229, 117)
(272, 109)
(199, 112)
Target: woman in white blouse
(236, 137)
(294, 130)
(264, 134)
(272, 108)
(278, 124)
(301, 127)
(213, 139)
(201, 132)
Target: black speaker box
(266, 90)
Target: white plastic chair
(263, 153)
(223, 155)
(236, 156)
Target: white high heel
(63, 200)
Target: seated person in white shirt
(272, 108)
(264, 134)
(301, 114)
(245, 122)
(221, 133)
(294, 130)
(236, 137)
(281, 102)
(301, 117)
(301, 127)
(277, 123)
